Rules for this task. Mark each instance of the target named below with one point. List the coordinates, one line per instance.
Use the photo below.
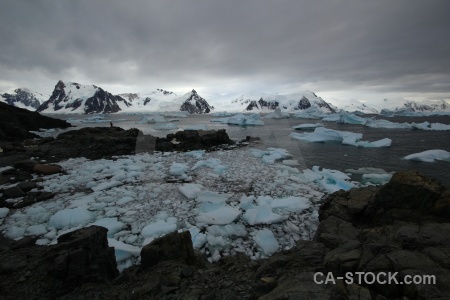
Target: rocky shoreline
(402, 227)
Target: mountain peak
(193, 91)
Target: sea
(275, 133)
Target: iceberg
(240, 119)
(307, 126)
(277, 114)
(322, 135)
(430, 156)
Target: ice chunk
(430, 156)
(290, 162)
(112, 224)
(261, 214)
(195, 154)
(291, 203)
(150, 119)
(159, 228)
(321, 135)
(277, 114)
(220, 216)
(72, 217)
(212, 163)
(240, 119)
(36, 230)
(3, 212)
(106, 185)
(198, 238)
(178, 169)
(14, 232)
(377, 178)
(213, 210)
(266, 241)
(191, 190)
(123, 251)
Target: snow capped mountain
(158, 100)
(357, 107)
(71, 97)
(194, 104)
(403, 107)
(23, 98)
(286, 102)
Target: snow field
(240, 201)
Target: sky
(342, 50)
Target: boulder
(82, 256)
(175, 245)
(44, 169)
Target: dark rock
(44, 169)
(27, 186)
(82, 256)
(14, 175)
(25, 165)
(16, 123)
(13, 192)
(177, 246)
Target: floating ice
(321, 135)
(190, 190)
(213, 209)
(178, 169)
(233, 229)
(377, 178)
(195, 153)
(123, 251)
(112, 224)
(310, 113)
(198, 238)
(212, 163)
(307, 126)
(261, 214)
(72, 217)
(270, 155)
(240, 119)
(430, 156)
(3, 212)
(291, 203)
(349, 118)
(159, 228)
(266, 241)
(277, 114)
(36, 230)
(106, 185)
(150, 119)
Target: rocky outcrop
(402, 227)
(28, 271)
(361, 230)
(16, 123)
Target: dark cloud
(395, 46)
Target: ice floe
(240, 119)
(344, 117)
(430, 156)
(240, 201)
(322, 135)
(308, 126)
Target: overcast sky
(339, 49)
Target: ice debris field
(242, 201)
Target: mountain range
(71, 97)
